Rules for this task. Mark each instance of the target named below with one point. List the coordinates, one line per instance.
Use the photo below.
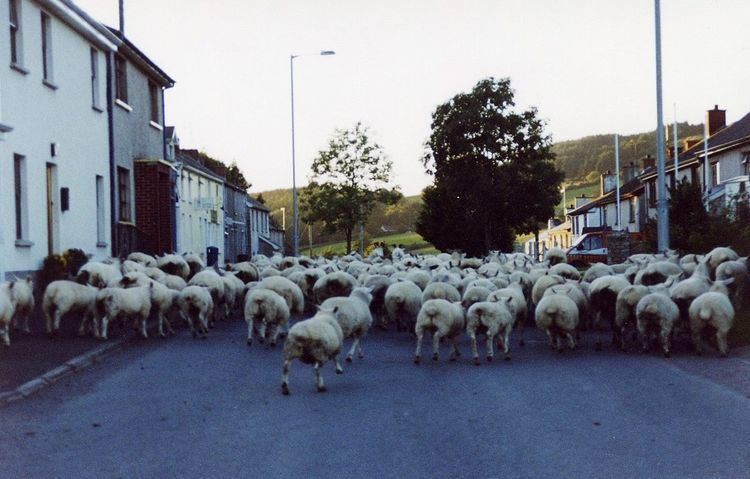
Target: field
(412, 242)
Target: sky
(588, 66)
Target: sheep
(441, 291)
(21, 294)
(210, 279)
(63, 297)
(656, 312)
(420, 278)
(155, 273)
(736, 270)
(557, 316)
(129, 266)
(195, 263)
(596, 271)
(403, 301)
(354, 317)
(518, 306)
(542, 284)
(555, 256)
(234, 290)
(447, 277)
(333, 284)
(174, 282)
(573, 291)
(493, 318)
(603, 302)
(266, 310)
(656, 273)
(313, 341)
(6, 313)
(174, 264)
(566, 271)
(268, 272)
(306, 281)
(445, 320)
(474, 294)
(142, 259)
(715, 310)
(117, 303)
(98, 274)
(195, 301)
(291, 293)
(246, 271)
(470, 263)
(719, 255)
(625, 318)
(378, 285)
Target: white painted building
(54, 138)
(200, 221)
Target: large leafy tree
(347, 180)
(493, 171)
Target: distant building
(236, 224)
(260, 230)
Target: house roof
(253, 203)
(80, 21)
(193, 163)
(629, 189)
(132, 52)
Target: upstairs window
(121, 79)
(94, 78)
(123, 193)
(153, 92)
(714, 174)
(746, 163)
(15, 34)
(19, 185)
(46, 48)
(631, 210)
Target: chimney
(716, 119)
(122, 17)
(689, 143)
(581, 200)
(607, 183)
(629, 172)
(648, 161)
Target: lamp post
(295, 213)
(662, 215)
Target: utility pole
(662, 215)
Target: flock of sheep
(648, 297)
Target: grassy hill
(411, 241)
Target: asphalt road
(190, 408)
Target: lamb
(210, 279)
(542, 284)
(574, 292)
(656, 273)
(195, 301)
(6, 313)
(445, 320)
(142, 259)
(246, 271)
(354, 317)
(715, 310)
(163, 299)
(441, 291)
(21, 294)
(420, 278)
(474, 294)
(557, 316)
(117, 303)
(98, 274)
(596, 271)
(174, 264)
(493, 318)
(518, 305)
(625, 318)
(555, 256)
(656, 312)
(129, 266)
(566, 271)
(313, 341)
(720, 255)
(603, 301)
(174, 282)
(306, 281)
(333, 284)
(63, 297)
(291, 293)
(403, 301)
(378, 285)
(266, 311)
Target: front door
(50, 208)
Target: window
(19, 184)
(46, 48)
(631, 210)
(15, 34)
(99, 209)
(94, 78)
(652, 193)
(123, 193)
(715, 174)
(154, 97)
(746, 163)
(121, 79)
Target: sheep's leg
(203, 324)
(489, 337)
(455, 353)
(436, 337)
(105, 326)
(522, 327)
(82, 326)
(643, 332)
(188, 319)
(6, 334)
(350, 355)
(58, 315)
(275, 335)
(162, 320)
(250, 328)
(721, 342)
(262, 332)
(94, 324)
(418, 353)
(335, 359)
(474, 353)
(48, 322)
(285, 377)
(319, 379)
(571, 340)
(142, 321)
(26, 328)
(360, 353)
(598, 328)
(550, 339)
(506, 341)
(665, 341)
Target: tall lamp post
(662, 214)
(295, 212)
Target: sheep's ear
(508, 300)
(335, 310)
(727, 282)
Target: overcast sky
(587, 65)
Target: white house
(54, 141)
(262, 231)
(200, 223)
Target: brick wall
(154, 207)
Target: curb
(79, 363)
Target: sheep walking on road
(492, 319)
(267, 311)
(445, 320)
(63, 297)
(557, 316)
(715, 310)
(656, 313)
(354, 317)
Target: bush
(54, 267)
(75, 258)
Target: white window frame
(100, 220)
(95, 79)
(16, 33)
(48, 70)
(121, 86)
(20, 199)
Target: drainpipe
(112, 168)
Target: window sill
(19, 68)
(126, 223)
(5, 128)
(97, 108)
(123, 105)
(22, 243)
(101, 244)
(49, 84)
(156, 125)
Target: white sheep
(63, 297)
(474, 294)
(557, 316)
(313, 341)
(210, 279)
(195, 263)
(555, 256)
(337, 283)
(116, 303)
(625, 318)
(267, 311)
(6, 314)
(518, 305)
(492, 318)
(246, 271)
(98, 274)
(174, 282)
(21, 292)
(602, 304)
(737, 271)
(291, 293)
(544, 282)
(174, 264)
(566, 270)
(378, 285)
(720, 255)
(445, 320)
(441, 291)
(354, 317)
(142, 259)
(715, 310)
(195, 302)
(403, 299)
(656, 313)
(656, 273)
(596, 271)
(419, 277)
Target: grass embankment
(412, 242)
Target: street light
(295, 213)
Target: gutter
(112, 169)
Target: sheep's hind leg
(474, 352)
(360, 353)
(436, 337)
(455, 353)
(285, 377)
(418, 353)
(350, 354)
(319, 379)
(335, 359)
(721, 342)
(665, 343)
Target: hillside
(586, 158)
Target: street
(190, 408)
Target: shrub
(75, 258)
(54, 267)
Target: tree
(493, 171)
(347, 180)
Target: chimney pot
(716, 120)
